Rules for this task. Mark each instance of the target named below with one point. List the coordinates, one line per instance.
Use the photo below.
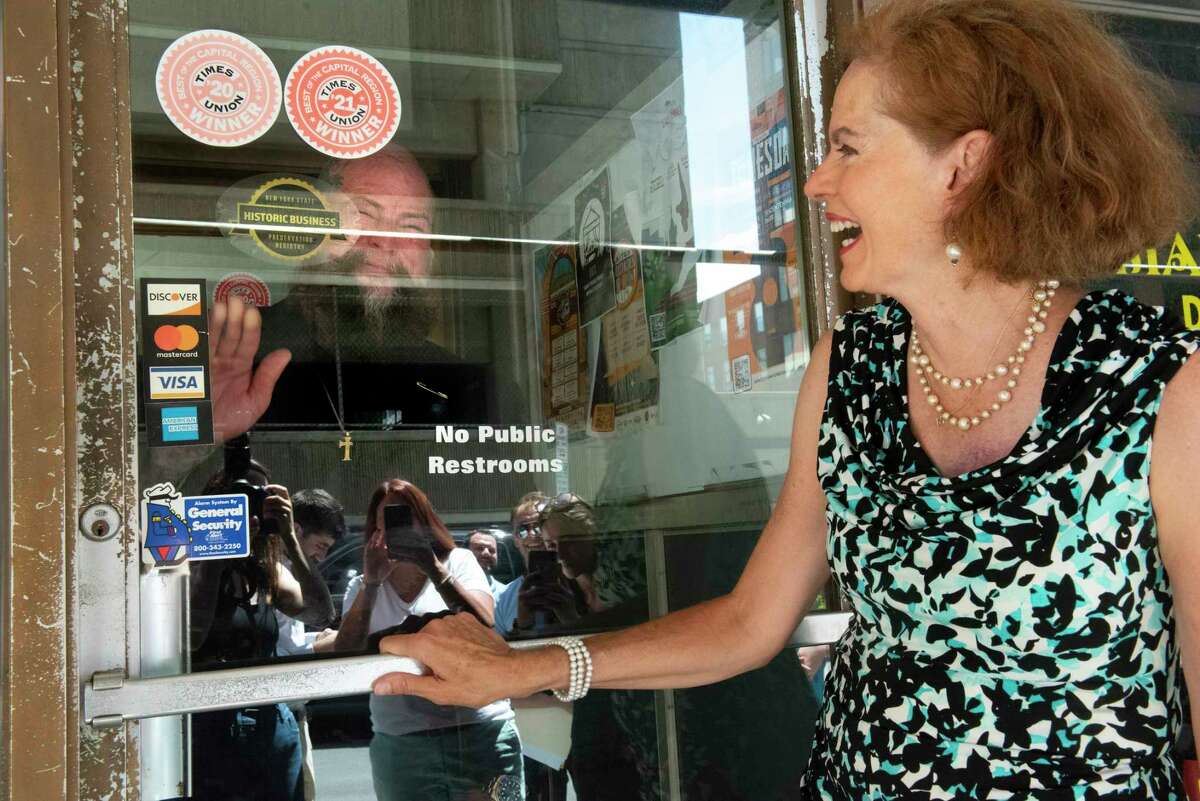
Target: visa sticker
(177, 383)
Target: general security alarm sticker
(218, 88)
(342, 102)
(177, 528)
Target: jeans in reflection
(458, 763)
(246, 755)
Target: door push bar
(110, 699)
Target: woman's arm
(352, 633)
(479, 604)
(356, 623)
(1173, 470)
(703, 644)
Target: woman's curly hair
(1083, 170)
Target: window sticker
(218, 88)
(174, 361)
(342, 102)
(250, 288)
(164, 530)
(174, 299)
(597, 287)
(275, 217)
(176, 529)
(176, 383)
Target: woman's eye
(846, 150)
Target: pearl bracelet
(581, 668)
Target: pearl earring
(954, 253)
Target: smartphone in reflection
(404, 540)
(543, 564)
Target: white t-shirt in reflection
(399, 714)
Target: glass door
(1165, 37)
(506, 291)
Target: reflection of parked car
(347, 720)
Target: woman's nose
(817, 187)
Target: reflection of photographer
(547, 596)
(577, 580)
(255, 752)
(557, 537)
(223, 591)
(412, 569)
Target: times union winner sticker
(342, 102)
(218, 88)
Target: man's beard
(396, 315)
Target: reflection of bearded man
(404, 313)
(366, 311)
(385, 192)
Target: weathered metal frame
(70, 349)
(5, 472)
(37, 691)
(815, 37)
(105, 374)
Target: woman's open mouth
(849, 232)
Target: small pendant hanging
(346, 444)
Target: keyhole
(99, 529)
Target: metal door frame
(70, 428)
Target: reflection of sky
(717, 106)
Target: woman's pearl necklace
(1008, 370)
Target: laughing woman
(970, 457)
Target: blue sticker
(180, 424)
(218, 526)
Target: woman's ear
(968, 153)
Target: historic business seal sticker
(218, 88)
(342, 102)
(250, 288)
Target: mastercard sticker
(342, 102)
(218, 88)
(176, 338)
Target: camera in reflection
(256, 496)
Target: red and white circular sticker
(250, 288)
(218, 88)
(342, 102)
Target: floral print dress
(1013, 635)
